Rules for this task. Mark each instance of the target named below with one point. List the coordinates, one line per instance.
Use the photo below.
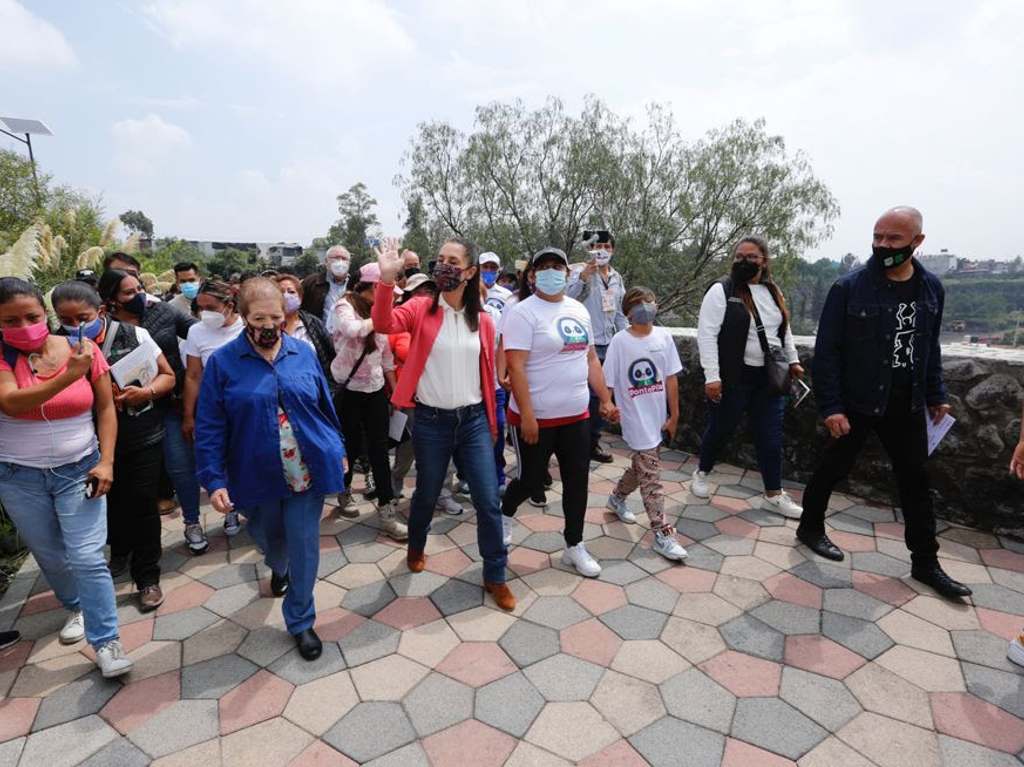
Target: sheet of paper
(397, 425)
(137, 367)
(936, 431)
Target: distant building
(940, 263)
(274, 253)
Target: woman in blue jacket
(267, 441)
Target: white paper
(936, 431)
(138, 367)
(396, 427)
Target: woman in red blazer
(448, 378)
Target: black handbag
(775, 363)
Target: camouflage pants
(645, 473)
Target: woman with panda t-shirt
(551, 360)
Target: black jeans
(571, 446)
(904, 437)
(361, 413)
(133, 518)
(594, 407)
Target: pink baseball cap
(369, 272)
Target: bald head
(899, 227)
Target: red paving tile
(852, 541)
(738, 527)
(890, 590)
(319, 754)
(740, 754)
(618, 754)
(450, 563)
(591, 640)
(329, 543)
(15, 656)
(889, 530)
(40, 603)
(731, 505)
(408, 612)
(541, 523)
(599, 516)
(744, 675)
(133, 636)
(337, 623)
(525, 561)
(813, 652)
(1005, 625)
(788, 588)
(598, 597)
(688, 580)
(964, 716)
(477, 663)
(16, 715)
(185, 598)
(136, 703)
(1007, 560)
(469, 743)
(259, 698)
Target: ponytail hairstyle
(471, 294)
(743, 291)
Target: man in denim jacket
(877, 368)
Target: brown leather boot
(502, 594)
(416, 560)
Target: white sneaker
(506, 530)
(73, 629)
(618, 505)
(390, 523)
(231, 524)
(699, 484)
(195, 537)
(112, 660)
(667, 545)
(1015, 651)
(448, 505)
(782, 504)
(580, 558)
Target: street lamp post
(15, 125)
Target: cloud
(322, 43)
(28, 42)
(143, 146)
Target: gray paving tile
(996, 597)
(370, 599)
(704, 513)
(862, 637)
(526, 643)
(180, 626)
(670, 742)
(10, 751)
(38, 625)
(694, 697)
(457, 596)
(564, 677)
(438, 702)
(412, 755)
(293, 668)
(703, 558)
(367, 553)
(330, 562)
(788, 617)
(370, 730)
(652, 594)
(982, 648)
(736, 491)
(870, 513)
(776, 726)
(763, 518)
(67, 744)
(509, 704)
(1009, 578)
(369, 641)
(696, 529)
(265, 645)
(548, 542)
(356, 534)
(621, 572)
(171, 559)
(230, 575)
(230, 600)
(746, 633)
(881, 564)
(731, 545)
(633, 622)
(417, 584)
(825, 700)
(824, 575)
(213, 678)
(80, 698)
(851, 524)
(178, 727)
(855, 604)
(118, 753)
(963, 754)
(649, 561)
(556, 612)
(997, 687)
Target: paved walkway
(754, 654)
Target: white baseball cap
(490, 258)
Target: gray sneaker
(618, 505)
(346, 506)
(112, 660)
(195, 537)
(232, 524)
(448, 505)
(390, 522)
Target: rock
(999, 390)
(959, 369)
(989, 440)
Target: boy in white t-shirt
(640, 367)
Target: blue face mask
(190, 290)
(90, 330)
(643, 314)
(489, 278)
(551, 282)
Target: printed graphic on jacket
(903, 339)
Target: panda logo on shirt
(643, 378)
(574, 335)
(496, 303)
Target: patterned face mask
(447, 276)
(643, 314)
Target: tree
(306, 264)
(137, 222)
(524, 179)
(17, 196)
(416, 237)
(357, 222)
(230, 260)
(168, 252)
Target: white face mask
(339, 268)
(601, 257)
(212, 320)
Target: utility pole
(15, 125)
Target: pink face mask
(27, 338)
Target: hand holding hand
(838, 425)
(609, 412)
(713, 391)
(221, 501)
(670, 427)
(390, 262)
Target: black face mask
(890, 258)
(411, 271)
(136, 306)
(744, 271)
(265, 338)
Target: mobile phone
(81, 327)
(91, 486)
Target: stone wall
(970, 479)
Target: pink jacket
(414, 317)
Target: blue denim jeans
(180, 464)
(465, 435)
(66, 532)
(765, 410)
(288, 533)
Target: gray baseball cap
(549, 251)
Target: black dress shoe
(309, 644)
(8, 639)
(599, 455)
(937, 578)
(278, 584)
(821, 545)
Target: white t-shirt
(498, 297)
(202, 341)
(557, 335)
(636, 368)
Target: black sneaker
(937, 578)
(598, 454)
(278, 584)
(9, 639)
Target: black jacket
(321, 340)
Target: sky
(244, 119)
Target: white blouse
(451, 376)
